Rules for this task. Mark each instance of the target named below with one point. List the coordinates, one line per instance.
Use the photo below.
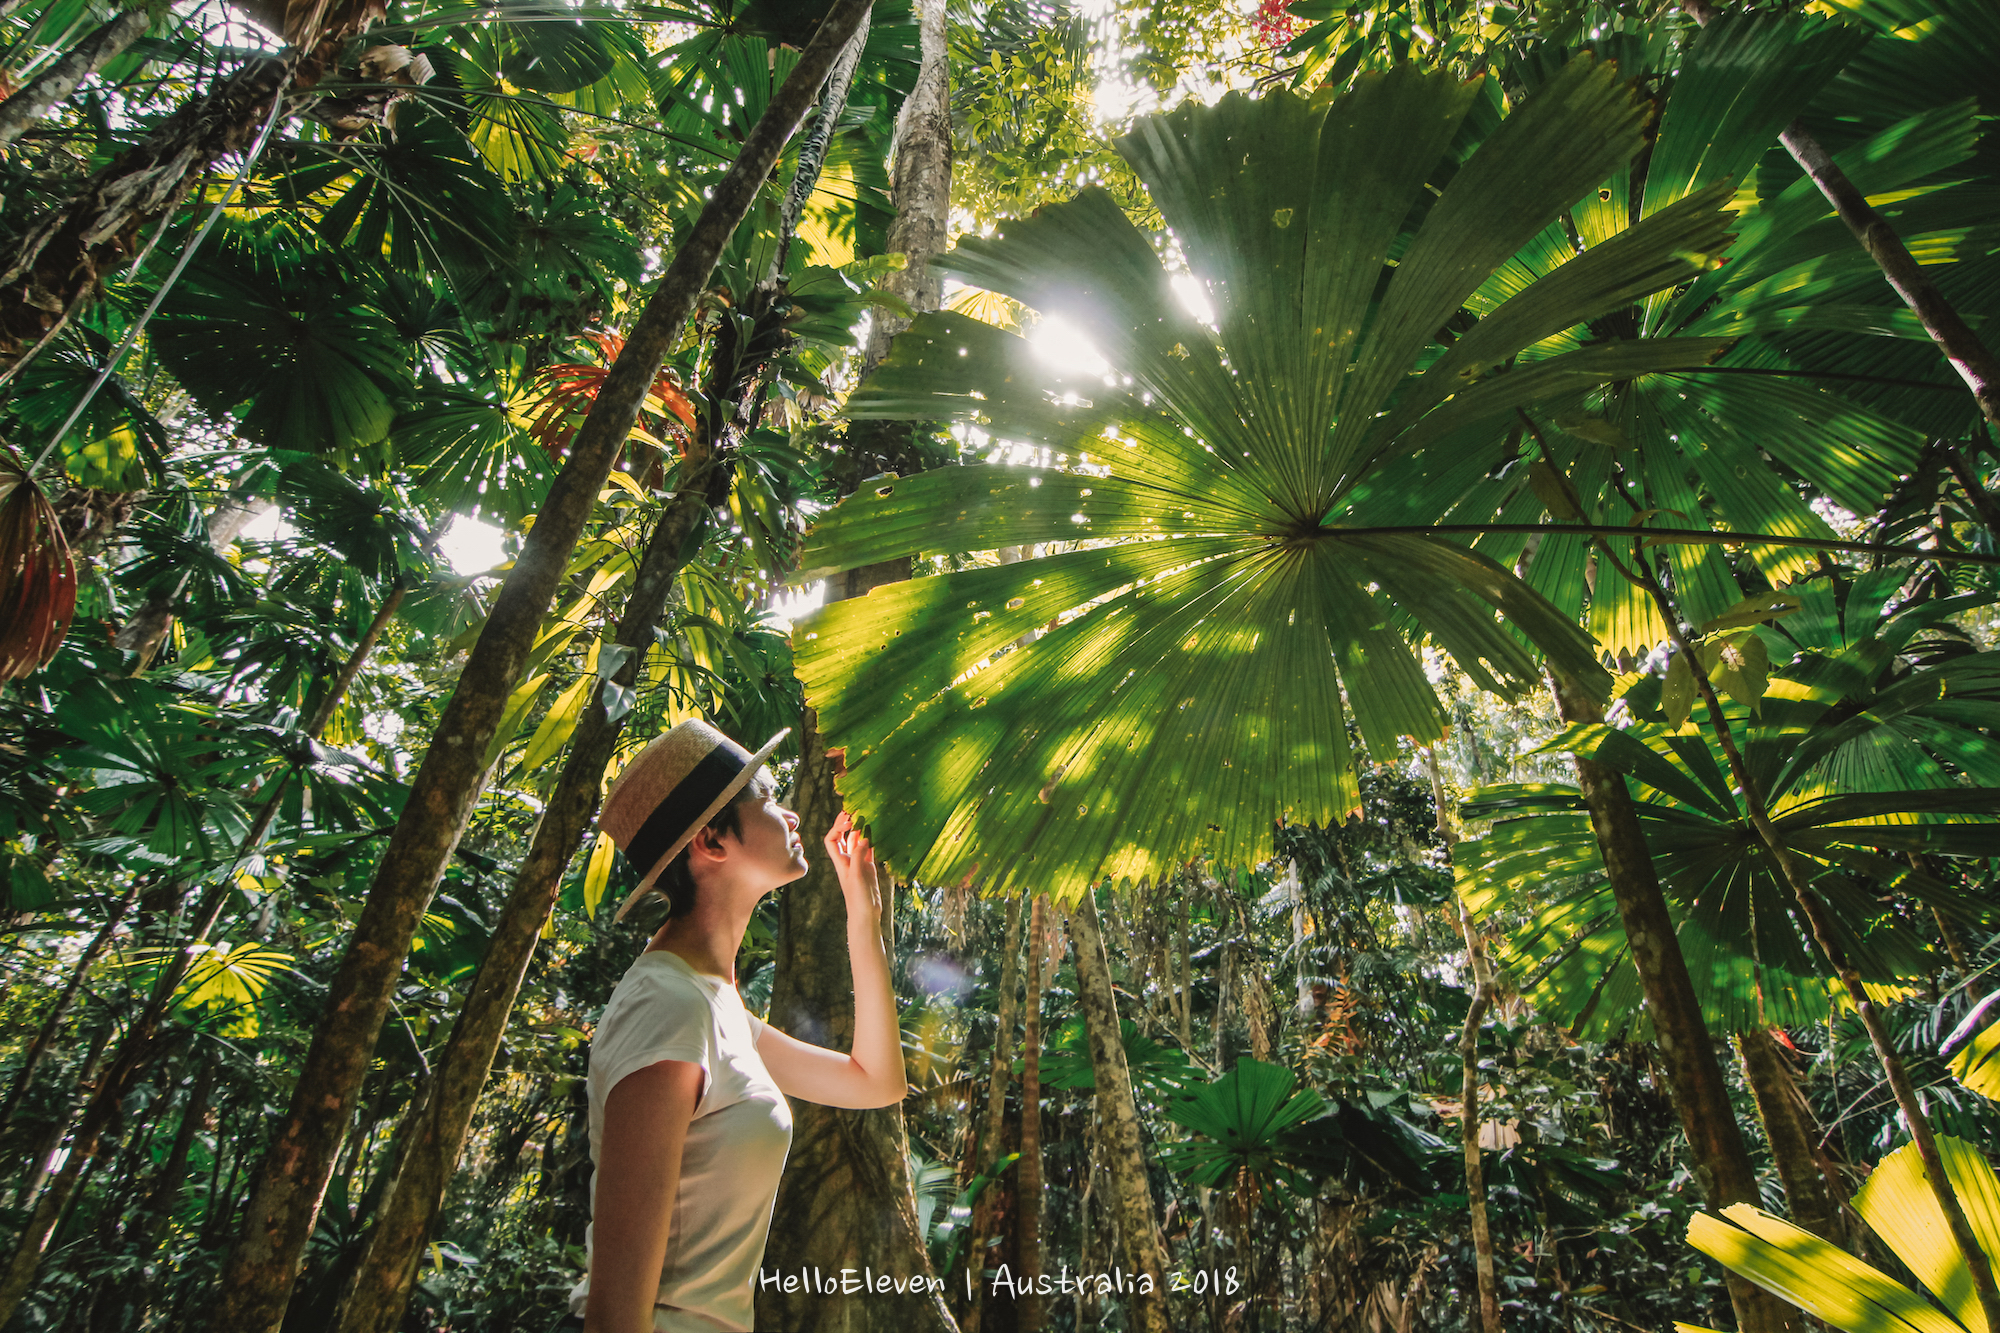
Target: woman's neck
(707, 938)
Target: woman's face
(768, 837)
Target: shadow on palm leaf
(1208, 580)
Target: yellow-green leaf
(597, 874)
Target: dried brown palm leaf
(37, 576)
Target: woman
(688, 1129)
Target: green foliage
(1225, 473)
(1860, 764)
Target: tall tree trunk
(1687, 1053)
(922, 188)
(52, 1021)
(1788, 1127)
(846, 1199)
(1468, 1052)
(261, 1269)
(1028, 1216)
(430, 1147)
(846, 1192)
(59, 80)
(344, 678)
(1118, 1123)
(993, 1132)
(1968, 355)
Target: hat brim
(729, 794)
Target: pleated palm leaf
(1726, 444)
(1899, 1207)
(1215, 619)
(1863, 760)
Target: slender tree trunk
(259, 1274)
(1968, 355)
(846, 1192)
(431, 1146)
(1183, 911)
(1788, 1127)
(19, 112)
(1687, 1053)
(993, 1132)
(812, 150)
(352, 666)
(159, 1208)
(1028, 1216)
(44, 1151)
(52, 1022)
(922, 187)
(1118, 1118)
(134, 1057)
(1468, 1052)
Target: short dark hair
(676, 880)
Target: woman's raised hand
(853, 859)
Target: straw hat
(669, 791)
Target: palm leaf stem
(1969, 356)
(1820, 921)
(1968, 481)
(1844, 376)
(1675, 536)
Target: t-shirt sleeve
(756, 1027)
(656, 1022)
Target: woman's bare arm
(872, 1075)
(646, 1120)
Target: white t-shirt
(665, 1010)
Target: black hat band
(671, 818)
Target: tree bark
(1687, 1054)
(93, 53)
(1028, 1176)
(993, 1134)
(1816, 1201)
(1118, 1118)
(846, 1199)
(1485, 1269)
(259, 1274)
(395, 1250)
(922, 185)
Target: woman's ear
(707, 846)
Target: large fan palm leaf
(1207, 594)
